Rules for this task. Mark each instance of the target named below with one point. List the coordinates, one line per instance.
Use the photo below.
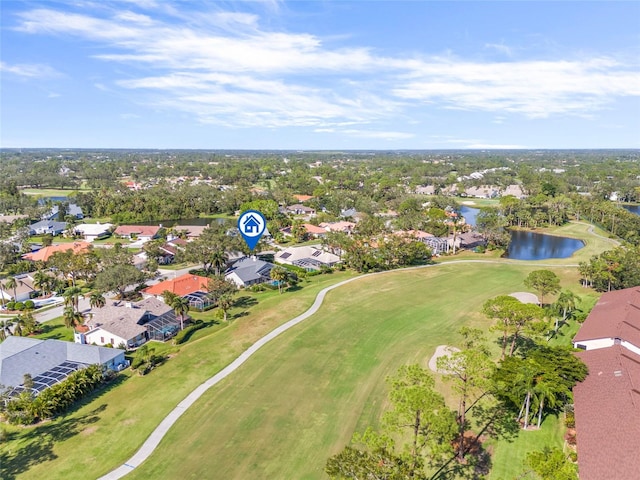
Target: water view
(469, 214)
(633, 208)
(537, 246)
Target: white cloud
(500, 48)
(53, 95)
(225, 68)
(29, 70)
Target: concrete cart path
(161, 430)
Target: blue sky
(320, 74)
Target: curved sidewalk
(161, 430)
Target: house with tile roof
(607, 402)
(49, 361)
(182, 286)
(128, 324)
(45, 253)
(139, 232)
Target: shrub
(18, 306)
(185, 334)
(29, 305)
(11, 305)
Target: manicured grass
(299, 399)
(107, 429)
(52, 192)
(55, 329)
(508, 457)
(293, 404)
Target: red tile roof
(46, 252)
(616, 315)
(303, 198)
(183, 285)
(607, 410)
(314, 230)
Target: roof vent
(617, 373)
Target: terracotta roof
(314, 230)
(616, 315)
(607, 410)
(183, 285)
(303, 198)
(46, 252)
(140, 230)
(341, 226)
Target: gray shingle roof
(19, 356)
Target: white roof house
(307, 257)
(249, 271)
(93, 231)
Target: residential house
(249, 271)
(514, 190)
(72, 210)
(191, 231)
(45, 253)
(307, 257)
(127, 324)
(342, 226)
(425, 190)
(49, 361)
(607, 402)
(11, 218)
(192, 287)
(138, 232)
(93, 231)
(24, 289)
(481, 192)
(47, 227)
(299, 209)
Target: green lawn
(299, 399)
(294, 403)
(52, 192)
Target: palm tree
(72, 318)
(17, 325)
(5, 328)
(72, 297)
(180, 307)
(225, 302)
(97, 300)
(41, 281)
(12, 283)
(2, 299)
(280, 275)
(219, 260)
(567, 302)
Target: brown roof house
(607, 403)
(128, 325)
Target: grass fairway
(108, 427)
(300, 398)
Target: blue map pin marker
(252, 225)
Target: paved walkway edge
(161, 430)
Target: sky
(307, 75)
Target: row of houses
(607, 402)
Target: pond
(469, 214)
(632, 208)
(537, 246)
